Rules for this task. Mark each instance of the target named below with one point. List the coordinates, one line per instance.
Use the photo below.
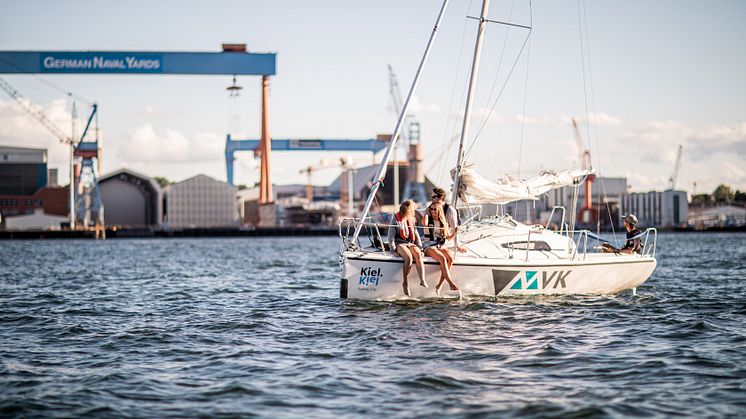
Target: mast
(469, 100)
(381, 173)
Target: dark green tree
(162, 181)
(701, 199)
(723, 193)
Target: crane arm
(672, 179)
(36, 114)
(583, 153)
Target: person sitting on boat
(437, 232)
(405, 240)
(633, 243)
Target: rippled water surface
(253, 326)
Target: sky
(641, 78)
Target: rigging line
(48, 83)
(502, 90)
(525, 99)
(611, 222)
(500, 60)
(525, 89)
(450, 105)
(593, 92)
(585, 88)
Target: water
(253, 326)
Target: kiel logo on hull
(370, 276)
(529, 281)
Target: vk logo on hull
(531, 280)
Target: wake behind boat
(500, 256)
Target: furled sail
(475, 189)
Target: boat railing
(582, 236)
(577, 240)
(648, 247)
(648, 239)
(562, 222)
(347, 225)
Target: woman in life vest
(405, 240)
(437, 232)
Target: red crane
(586, 215)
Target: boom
(26, 105)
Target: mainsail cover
(475, 189)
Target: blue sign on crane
(137, 62)
(306, 144)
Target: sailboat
(501, 256)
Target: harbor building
(23, 171)
(131, 199)
(38, 220)
(702, 218)
(361, 185)
(25, 191)
(606, 196)
(662, 209)
(201, 201)
(666, 209)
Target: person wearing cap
(633, 243)
(441, 224)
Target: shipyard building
(27, 198)
(201, 201)
(131, 199)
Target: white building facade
(667, 209)
(201, 201)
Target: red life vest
(406, 228)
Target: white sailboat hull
(379, 276)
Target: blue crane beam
(137, 62)
(305, 144)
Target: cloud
(533, 120)
(483, 114)
(718, 139)
(602, 118)
(417, 107)
(710, 155)
(19, 129)
(657, 141)
(597, 119)
(145, 145)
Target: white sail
(475, 189)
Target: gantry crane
(414, 189)
(85, 198)
(675, 174)
(344, 162)
(586, 215)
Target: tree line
(723, 194)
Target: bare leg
(419, 264)
(435, 254)
(449, 258)
(404, 252)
